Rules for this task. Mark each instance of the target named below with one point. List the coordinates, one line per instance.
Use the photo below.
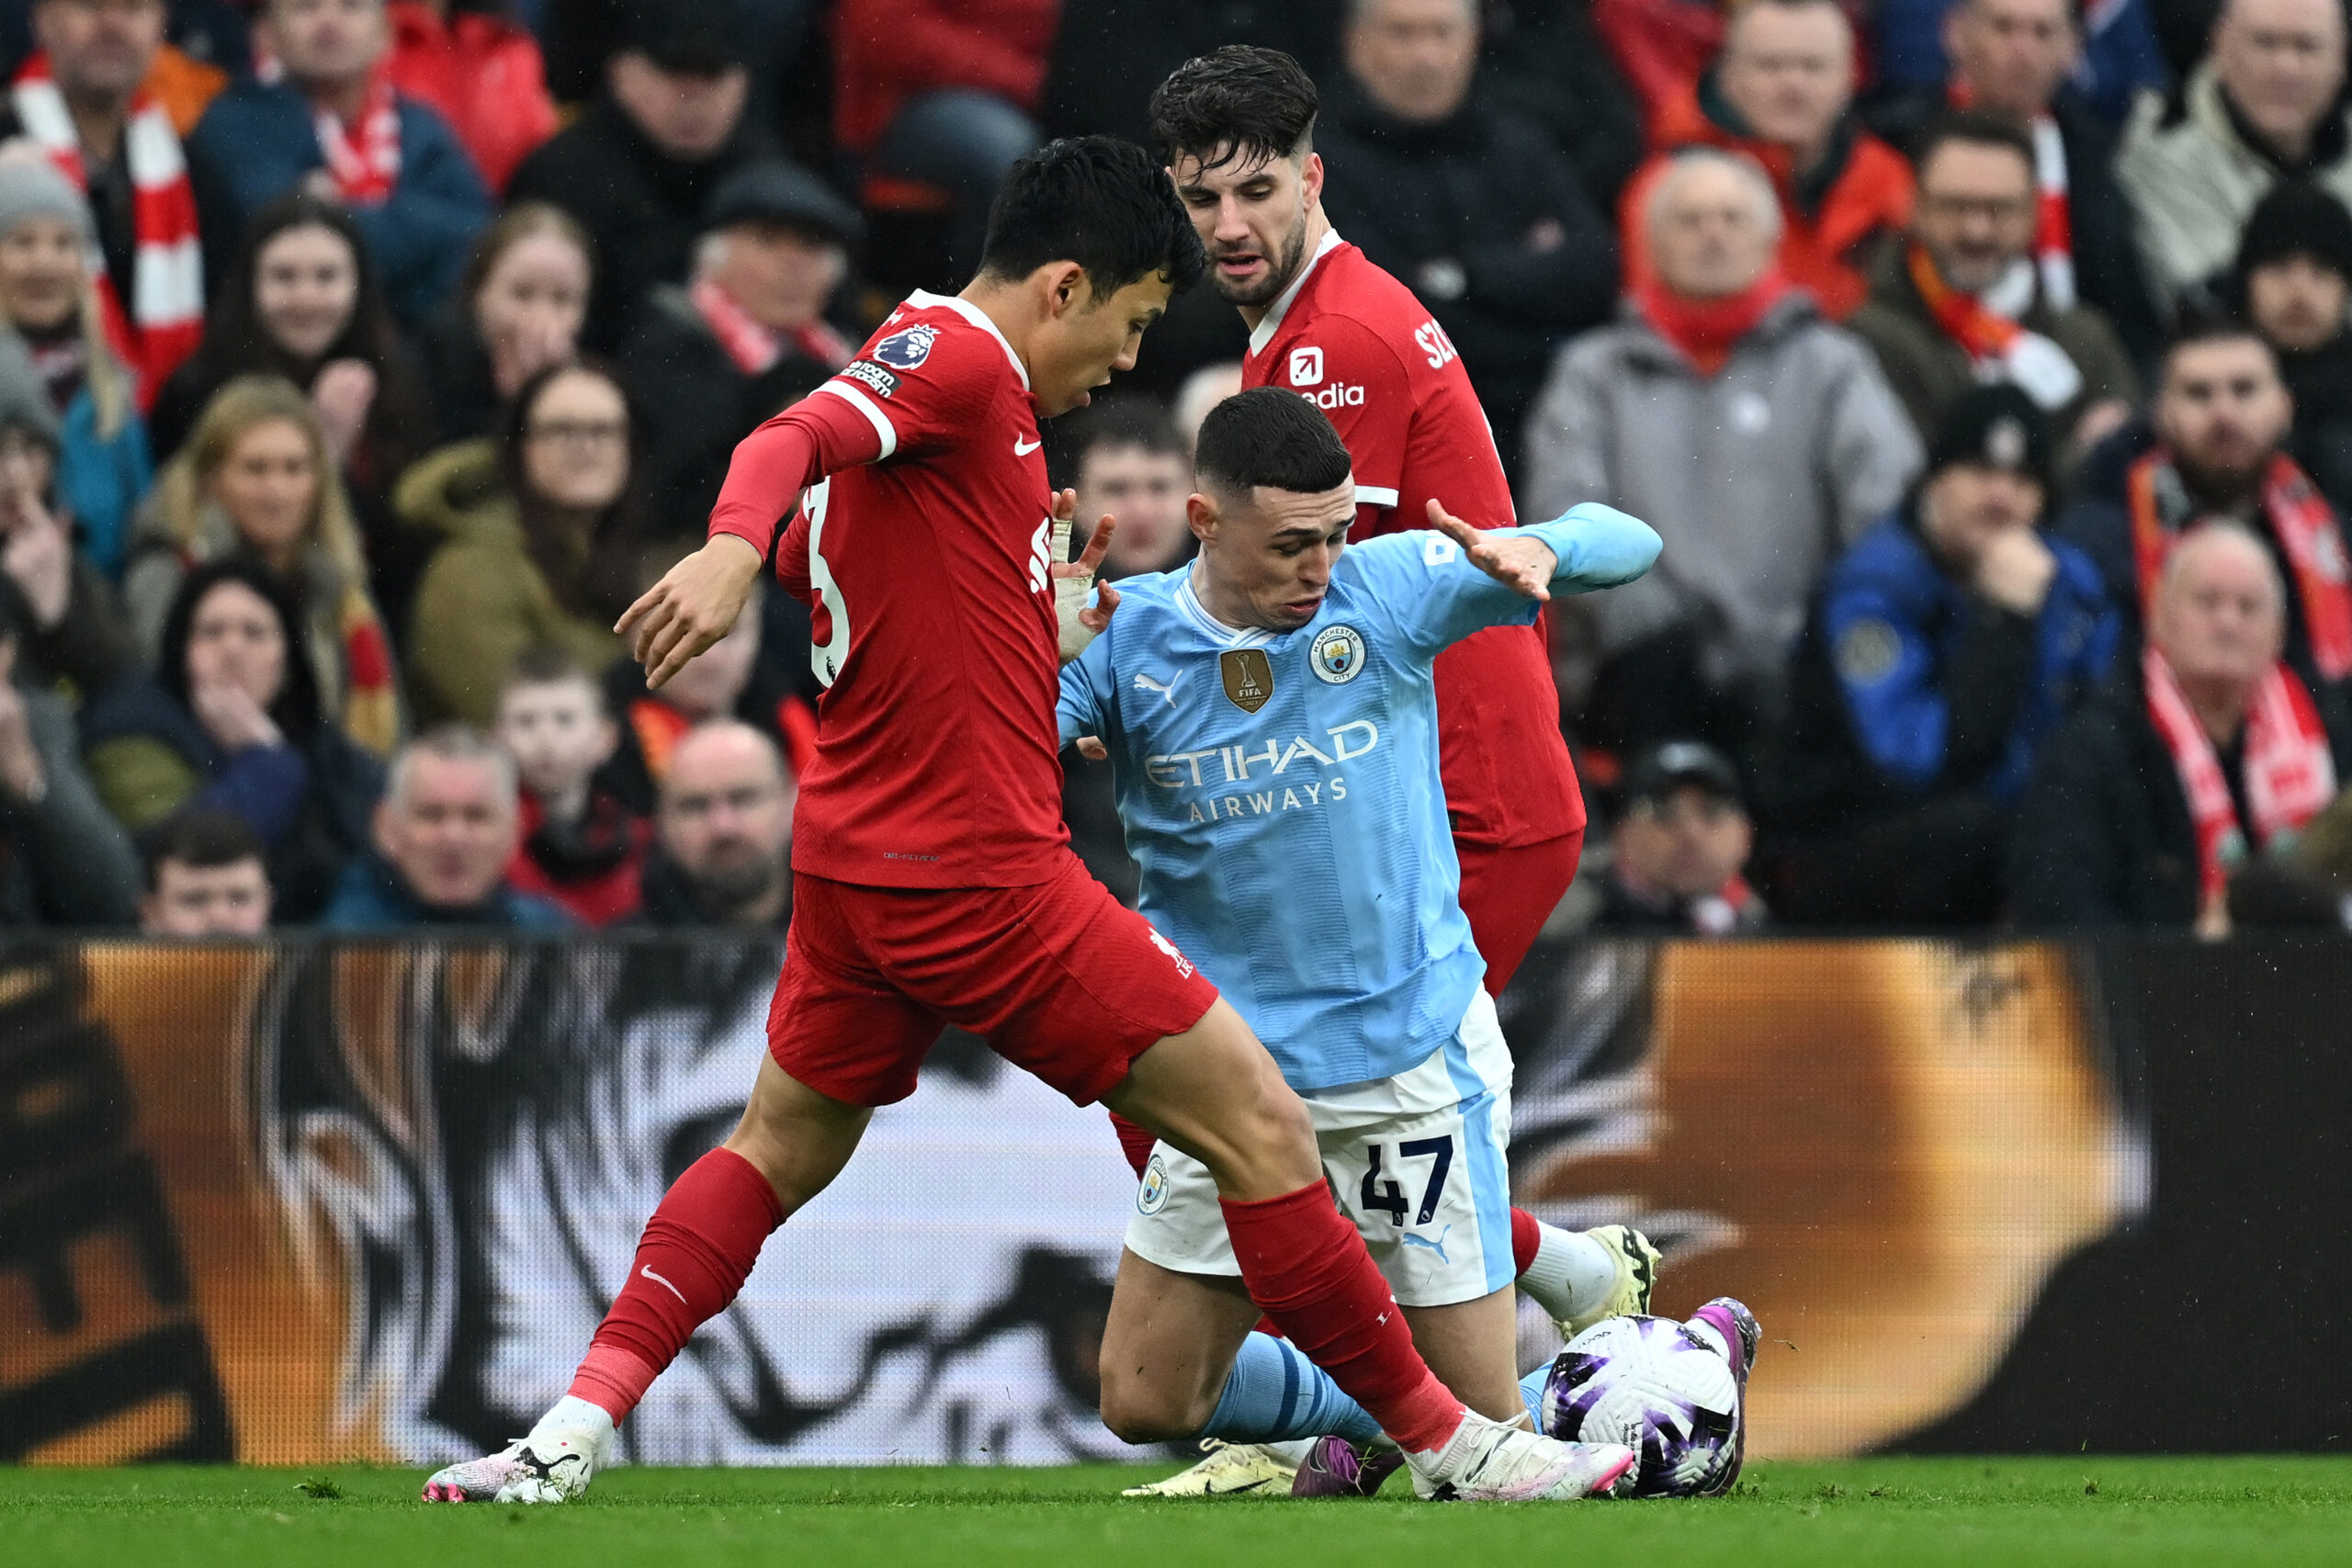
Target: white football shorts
(1416, 1162)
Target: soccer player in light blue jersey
(1271, 721)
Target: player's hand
(1091, 746)
(1519, 562)
(1074, 580)
(693, 605)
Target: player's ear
(1065, 286)
(1200, 511)
(1310, 178)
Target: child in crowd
(581, 846)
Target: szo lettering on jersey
(1433, 342)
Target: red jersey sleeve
(1344, 369)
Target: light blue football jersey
(1280, 791)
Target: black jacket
(1543, 60)
(2103, 837)
(2322, 383)
(668, 901)
(1463, 194)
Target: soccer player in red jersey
(934, 880)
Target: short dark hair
(549, 664)
(2200, 323)
(1977, 128)
(1237, 102)
(1268, 436)
(1101, 202)
(1132, 420)
(200, 838)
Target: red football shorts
(1509, 894)
(1060, 978)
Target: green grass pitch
(1917, 1513)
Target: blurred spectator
(443, 832)
(941, 91)
(1944, 648)
(1474, 208)
(1108, 55)
(722, 850)
(2013, 58)
(1781, 94)
(1675, 855)
(1965, 302)
(205, 877)
(84, 98)
(231, 719)
(2265, 106)
(2217, 450)
(519, 309)
(1543, 60)
(580, 846)
(1126, 459)
(2147, 801)
(63, 862)
(1757, 436)
(335, 127)
(48, 302)
(77, 641)
(712, 360)
(639, 167)
(2293, 272)
(543, 534)
(2110, 51)
(480, 73)
(257, 481)
(1202, 390)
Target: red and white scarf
(754, 345)
(2289, 776)
(1986, 326)
(165, 318)
(366, 166)
(2053, 233)
(2300, 519)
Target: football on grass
(1659, 1388)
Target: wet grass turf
(1917, 1513)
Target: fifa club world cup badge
(1248, 679)
(1335, 655)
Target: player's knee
(1137, 1410)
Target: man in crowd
(205, 877)
(639, 168)
(1758, 435)
(446, 827)
(1127, 460)
(2266, 105)
(336, 126)
(1781, 94)
(2150, 800)
(747, 334)
(1944, 648)
(1677, 854)
(2216, 449)
(1965, 301)
(722, 850)
(1472, 207)
(83, 99)
(2293, 279)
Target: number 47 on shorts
(1382, 1193)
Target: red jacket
(483, 75)
(605, 886)
(1826, 252)
(887, 51)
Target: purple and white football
(1667, 1390)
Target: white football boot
(554, 1464)
(1489, 1462)
(1227, 1469)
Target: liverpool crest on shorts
(1248, 679)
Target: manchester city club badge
(1335, 655)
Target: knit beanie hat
(2297, 219)
(1995, 427)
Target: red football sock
(1307, 1269)
(1526, 1237)
(696, 1252)
(1133, 1141)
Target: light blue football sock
(1274, 1394)
(1531, 1389)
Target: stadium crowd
(1984, 364)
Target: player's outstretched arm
(1074, 582)
(1521, 562)
(693, 605)
(1590, 546)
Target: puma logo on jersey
(1041, 557)
(1023, 448)
(1146, 684)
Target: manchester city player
(1271, 720)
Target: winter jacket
(886, 53)
(2320, 381)
(480, 73)
(1755, 476)
(370, 897)
(1833, 220)
(1447, 208)
(591, 867)
(457, 379)
(2193, 174)
(63, 862)
(257, 143)
(2103, 836)
(101, 478)
(1931, 371)
(1543, 60)
(89, 649)
(482, 599)
(670, 899)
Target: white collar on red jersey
(1263, 334)
(923, 300)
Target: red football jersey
(925, 571)
(1353, 342)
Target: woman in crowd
(518, 312)
(255, 479)
(545, 535)
(48, 302)
(230, 720)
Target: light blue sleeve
(1085, 680)
(1433, 597)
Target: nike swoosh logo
(648, 1271)
(1023, 448)
(1230, 1491)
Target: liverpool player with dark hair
(933, 883)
